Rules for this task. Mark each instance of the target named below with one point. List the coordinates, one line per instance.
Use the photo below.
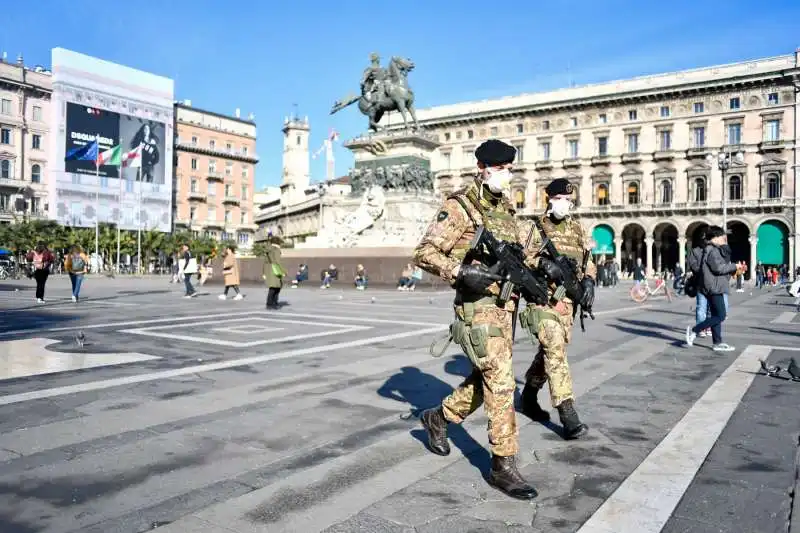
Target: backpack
(695, 282)
(78, 264)
(38, 261)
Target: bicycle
(641, 291)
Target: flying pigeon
(794, 369)
(771, 371)
(80, 339)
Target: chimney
(20, 62)
(5, 56)
(187, 103)
(238, 112)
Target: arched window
(519, 199)
(666, 192)
(773, 186)
(700, 190)
(633, 193)
(542, 199)
(36, 174)
(602, 194)
(5, 169)
(735, 188)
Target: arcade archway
(773, 243)
(666, 253)
(603, 237)
(695, 234)
(739, 241)
(633, 247)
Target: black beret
(559, 186)
(494, 152)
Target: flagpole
(97, 206)
(119, 203)
(139, 219)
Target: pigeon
(770, 370)
(794, 369)
(340, 297)
(430, 300)
(372, 300)
(80, 339)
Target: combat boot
(573, 428)
(530, 404)
(505, 477)
(436, 425)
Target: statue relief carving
(406, 177)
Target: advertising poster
(117, 106)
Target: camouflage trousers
(550, 363)
(491, 382)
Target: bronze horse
(395, 95)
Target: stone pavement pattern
(209, 416)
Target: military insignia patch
(441, 216)
(570, 188)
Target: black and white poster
(148, 134)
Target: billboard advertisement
(94, 100)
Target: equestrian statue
(383, 90)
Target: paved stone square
(202, 415)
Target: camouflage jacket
(445, 244)
(568, 237)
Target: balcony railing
(544, 164)
(663, 155)
(199, 196)
(214, 175)
(634, 157)
(772, 146)
(571, 162)
(231, 200)
(698, 152)
(601, 160)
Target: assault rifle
(569, 270)
(509, 262)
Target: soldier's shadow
(423, 391)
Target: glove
(551, 269)
(476, 278)
(587, 301)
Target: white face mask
(560, 207)
(498, 180)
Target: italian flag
(115, 156)
(112, 156)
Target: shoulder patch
(441, 216)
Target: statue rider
(372, 81)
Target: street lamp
(724, 160)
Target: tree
(260, 249)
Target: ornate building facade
(644, 155)
(24, 136)
(215, 166)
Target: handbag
(277, 270)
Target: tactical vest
(499, 219)
(566, 236)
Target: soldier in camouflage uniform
(552, 324)
(482, 327)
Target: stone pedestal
(392, 199)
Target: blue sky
(264, 58)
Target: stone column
(753, 256)
(658, 256)
(648, 241)
(618, 251)
(682, 252)
(791, 255)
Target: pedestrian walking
(188, 269)
(715, 269)
(273, 273)
(483, 324)
(41, 261)
(77, 265)
(230, 273)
